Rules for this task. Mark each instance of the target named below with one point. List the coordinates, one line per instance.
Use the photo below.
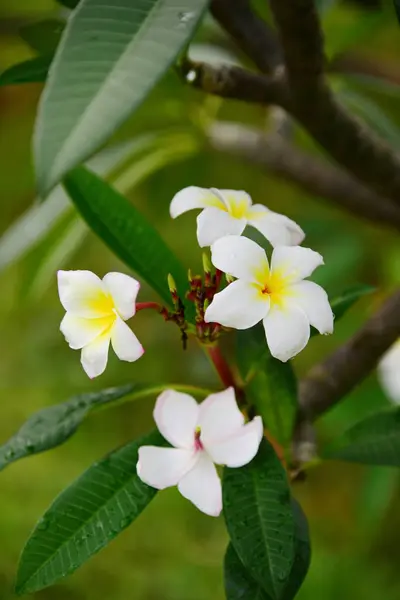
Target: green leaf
(341, 304)
(124, 50)
(260, 521)
(69, 3)
(239, 585)
(302, 557)
(43, 36)
(85, 517)
(271, 384)
(373, 441)
(30, 71)
(121, 226)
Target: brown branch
(310, 173)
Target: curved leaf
(260, 521)
(85, 517)
(302, 557)
(123, 49)
(341, 304)
(43, 36)
(239, 585)
(121, 226)
(373, 441)
(30, 71)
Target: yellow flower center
(103, 304)
(273, 285)
(236, 208)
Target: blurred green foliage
(174, 552)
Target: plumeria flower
(227, 212)
(96, 311)
(275, 295)
(201, 435)
(389, 372)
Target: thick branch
(312, 174)
(330, 381)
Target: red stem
(221, 366)
(142, 305)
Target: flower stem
(143, 305)
(221, 366)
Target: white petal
(389, 373)
(83, 294)
(278, 229)
(124, 290)
(202, 486)
(240, 448)
(213, 223)
(124, 342)
(237, 202)
(163, 467)
(287, 330)
(313, 299)
(194, 197)
(295, 262)
(79, 332)
(176, 415)
(240, 305)
(239, 257)
(219, 417)
(94, 356)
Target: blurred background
(174, 552)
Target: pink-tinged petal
(124, 290)
(278, 229)
(294, 263)
(240, 305)
(194, 197)
(94, 356)
(213, 223)
(239, 257)
(240, 448)
(125, 343)
(202, 486)
(176, 415)
(79, 332)
(389, 373)
(219, 416)
(83, 294)
(314, 301)
(287, 330)
(163, 467)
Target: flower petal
(124, 290)
(79, 332)
(237, 202)
(213, 223)
(240, 448)
(287, 330)
(240, 305)
(194, 197)
(124, 342)
(163, 467)
(83, 294)
(94, 356)
(313, 300)
(295, 262)
(176, 415)
(278, 229)
(219, 416)
(239, 257)
(389, 372)
(202, 486)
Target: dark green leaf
(260, 521)
(85, 517)
(302, 557)
(69, 3)
(125, 231)
(397, 8)
(271, 384)
(123, 49)
(341, 304)
(239, 585)
(30, 71)
(373, 441)
(43, 36)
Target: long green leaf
(123, 49)
(43, 36)
(259, 517)
(373, 441)
(302, 557)
(30, 71)
(239, 585)
(86, 517)
(341, 304)
(271, 384)
(121, 226)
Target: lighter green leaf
(85, 517)
(30, 71)
(373, 441)
(341, 304)
(122, 49)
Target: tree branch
(319, 178)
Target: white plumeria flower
(389, 372)
(201, 435)
(276, 295)
(227, 212)
(96, 311)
